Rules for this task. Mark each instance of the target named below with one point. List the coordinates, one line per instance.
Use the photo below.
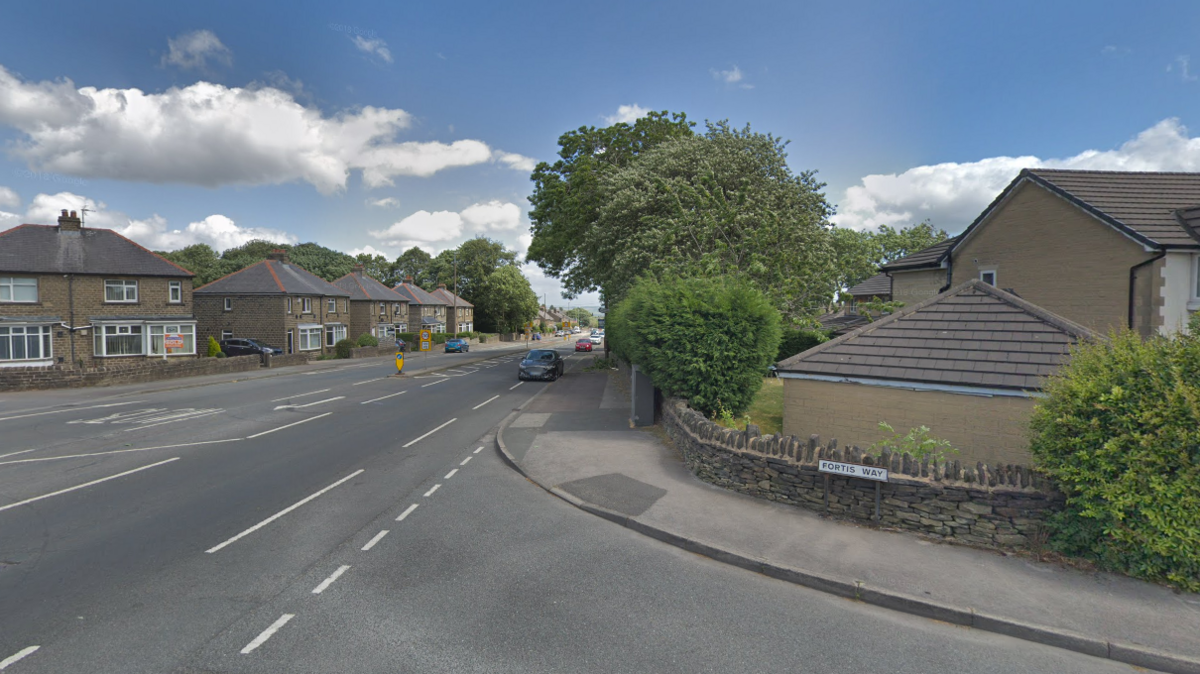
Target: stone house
(277, 303)
(425, 311)
(968, 363)
(375, 309)
(460, 313)
(87, 297)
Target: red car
(584, 344)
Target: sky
(374, 127)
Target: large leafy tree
(200, 259)
(505, 302)
(860, 254)
(379, 268)
(416, 263)
(476, 260)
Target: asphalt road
(350, 521)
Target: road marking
(450, 474)
(485, 402)
(152, 416)
(85, 484)
(436, 382)
(515, 385)
(478, 450)
(23, 451)
(28, 650)
(435, 488)
(171, 421)
(407, 512)
(70, 409)
(464, 461)
(300, 407)
(301, 395)
(368, 381)
(283, 512)
(267, 633)
(302, 421)
(413, 442)
(375, 400)
(114, 451)
(329, 581)
(371, 543)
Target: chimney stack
(442, 286)
(408, 279)
(279, 255)
(69, 223)
(358, 269)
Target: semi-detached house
(425, 311)
(460, 313)
(87, 297)
(375, 309)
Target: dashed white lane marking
(435, 488)
(70, 409)
(297, 423)
(450, 474)
(464, 461)
(28, 650)
(375, 400)
(371, 543)
(436, 382)
(301, 395)
(368, 381)
(407, 512)
(114, 451)
(267, 633)
(413, 442)
(23, 451)
(515, 385)
(478, 450)
(300, 407)
(85, 484)
(283, 512)
(485, 402)
(329, 581)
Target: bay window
(25, 343)
(310, 338)
(158, 336)
(334, 333)
(15, 289)
(118, 340)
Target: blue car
(457, 346)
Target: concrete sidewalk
(574, 440)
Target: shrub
(409, 338)
(367, 339)
(214, 347)
(220, 354)
(707, 340)
(441, 337)
(1119, 432)
(343, 347)
(796, 341)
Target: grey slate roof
(415, 295)
(448, 298)
(364, 287)
(879, 284)
(929, 257)
(431, 320)
(43, 249)
(271, 277)
(973, 335)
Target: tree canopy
(416, 263)
(860, 254)
(505, 302)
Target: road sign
(173, 341)
(399, 361)
(854, 470)
(426, 343)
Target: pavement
(574, 440)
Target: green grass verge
(766, 410)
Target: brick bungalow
(277, 303)
(425, 311)
(375, 309)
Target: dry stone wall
(999, 506)
(141, 370)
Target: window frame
(331, 306)
(306, 305)
(44, 342)
(174, 292)
(304, 333)
(995, 277)
(125, 285)
(180, 328)
(332, 332)
(101, 335)
(289, 304)
(12, 285)
(228, 304)
(226, 335)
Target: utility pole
(455, 318)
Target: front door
(289, 340)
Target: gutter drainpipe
(1133, 281)
(949, 274)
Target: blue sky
(386, 125)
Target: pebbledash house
(85, 297)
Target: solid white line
(171, 421)
(515, 385)
(407, 512)
(329, 581)
(283, 512)
(71, 409)
(375, 400)
(435, 488)
(478, 450)
(298, 407)
(485, 402)
(85, 484)
(464, 461)
(266, 634)
(371, 543)
(368, 381)
(450, 474)
(302, 421)
(301, 395)
(28, 650)
(413, 442)
(115, 451)
(436, 382)
(23, 451)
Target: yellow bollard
(399, 362)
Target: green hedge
(343, 347)
(1119, 432)
(796, 341)
(409, 338)
(707, 340)
(367, 339)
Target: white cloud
(516, 161)
(193, 50)
(951, 195)
(8, 197)
(493, 216)
(424, 227)
(385, 202)
(1184, 72)
(369, 250)
(376, 46)
(208, 134)
(733, 76)
(9, 220)
(627, 114)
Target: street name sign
(854, 470)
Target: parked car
(457, 346)
(247, 347)
(540, 364)
(576, 331)
(596, 339)
(583, 345)
(401, 345)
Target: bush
(798, 341)
(343, 347)
(707, 340)
(441, 337)
(220, 354)
(214, 347)
(409, 338)
(367, 339)
(1119, 432)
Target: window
(396, 309)
(175, 292)
(307, 303)
(346, 306)
(226, 334)
(158, 335)
(382, 308)
(334, 334)
(331, 306)
(25, 342)
(118, 340)
(13, 289)
(289, 305)
(120, 291)
(310, 338)
(228, 304)
(988, 277)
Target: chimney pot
(408, 279)
(68, 222)
(279, 255)
(64, 213)
(73, 214)
(358, 268)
